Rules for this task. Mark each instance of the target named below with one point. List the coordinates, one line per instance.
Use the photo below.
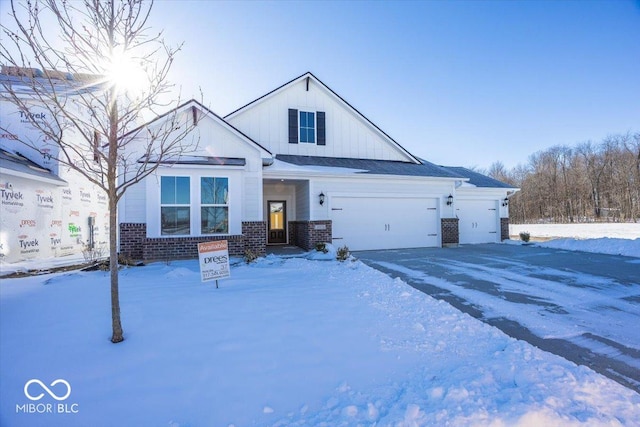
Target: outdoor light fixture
(505, 202)
(321, 198)
(449, 200)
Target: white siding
(347, 133)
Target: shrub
(525, 236)
(249, 256)
(343, 253)
(322, 247)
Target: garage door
(364, 223)
(478, 221)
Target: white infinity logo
(52, 394)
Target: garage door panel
(364, 223)
(478, 221)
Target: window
(214, 205)
(175, 200)
(307, 127)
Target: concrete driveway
(581, 306)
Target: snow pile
(618, 230)
(283, 342)
(604, 245)
(605, 238)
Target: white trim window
(214, 205)
(307, 127)
(175, 205)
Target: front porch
(287, 210)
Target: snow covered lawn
(607, 238)
(290, 342)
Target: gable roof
(377, 167)
(478, 179)
(208, 112)
(309, 75)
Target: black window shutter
(322, 135)
(293, 126)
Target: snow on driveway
(283, 342)
(595, 311)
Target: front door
(277, 222)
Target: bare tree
(104, 45)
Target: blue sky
(459, 83)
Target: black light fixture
(505, 202)
(321, 198)
(449, 200)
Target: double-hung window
(214, 205)
(175, 205)
(307, 127)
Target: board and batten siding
(347, 133)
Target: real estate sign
(214, 260)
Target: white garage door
(363, 223)
(478, 221)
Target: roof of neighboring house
(309, 75)
(478, 179)
(17, 163)
(378, 167)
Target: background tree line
(585, 183)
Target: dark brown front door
(277, 222)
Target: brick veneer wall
(450, 231)
(132, 236)
(308, 233)
(504, 228)
(170, 248)
(255, 237)
(135, 244)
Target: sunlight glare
(126, 74)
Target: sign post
(214, 260)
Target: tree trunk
(116, 325)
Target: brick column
(309, 233)
(132, 236)
(504, 228)
(450, 233)
(255, 237)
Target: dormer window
(307, 127)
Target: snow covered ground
(605, 238)
(283, 342)
(579, 231)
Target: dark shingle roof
(18, 163)
(369, 166)
(478, 179)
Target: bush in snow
(343, 254)
(525, 236)
(322, 247)
(249, 256)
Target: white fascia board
(59, 182)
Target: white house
(299, 166)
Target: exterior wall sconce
(449, 200)
(321, 196)
(505, 202)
